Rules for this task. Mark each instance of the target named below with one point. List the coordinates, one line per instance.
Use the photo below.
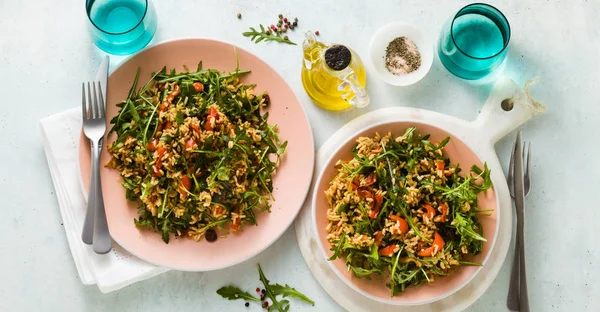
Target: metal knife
(88, 224)
(520, 207)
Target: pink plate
(291, 181)
(458, 152)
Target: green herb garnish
(258, 36)
(271, 291)
(234, 293)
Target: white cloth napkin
(111, 271)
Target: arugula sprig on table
(258, 36)
(271, 292)
(233, 293)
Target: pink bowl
(291, 181)
(458, 152)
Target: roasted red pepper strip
(363, 192)
(440, 165)
(160, 152)
(185, 187)
(387, 251)
(208, 125)
(198, 86)
(403, 224)
(190, 143)
(438, 242)
(430, 211)
(195, 128)
(355, 184)
(370, 180)
(151, 146)
(213, 112)
(378, 200)
(378, 238)
(444, 209)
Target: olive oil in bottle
(333, 75)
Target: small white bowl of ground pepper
(400, 54)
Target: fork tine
(96, 106)
(90, 105)
(101, 103)
(528, 160)
(511, 165)
(527, 177)
(83, 102)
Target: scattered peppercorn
(285, 37)
(265, 305)
(295, 19)
(295, 24)
(273, 27)
(239, 15)
(285, 26)
(257, 289)
(262, 296)
(211, 235)
(279, 24)
(247, 304)
(267, 32)
(285, 19)
(292, 27)
(263, 291)
(280, 16)
(317, 32)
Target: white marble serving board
(492, 124)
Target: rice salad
(195, 152)
(399, 208)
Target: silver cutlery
(95, 229)
(519, 184)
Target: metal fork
(512, 300)
(95, 227)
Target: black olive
(267, 99)
(211, 235)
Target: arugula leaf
(337, 250)
(260, 35)
(233, 293)
(464, 226)
(283, 305)
(360, 272)
(281, 148)
(289, 291)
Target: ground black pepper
(402, 56)
(338, 57)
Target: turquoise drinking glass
(121, 26)
(475, 41)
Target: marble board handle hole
(507, 104)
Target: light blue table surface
(45, 53)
